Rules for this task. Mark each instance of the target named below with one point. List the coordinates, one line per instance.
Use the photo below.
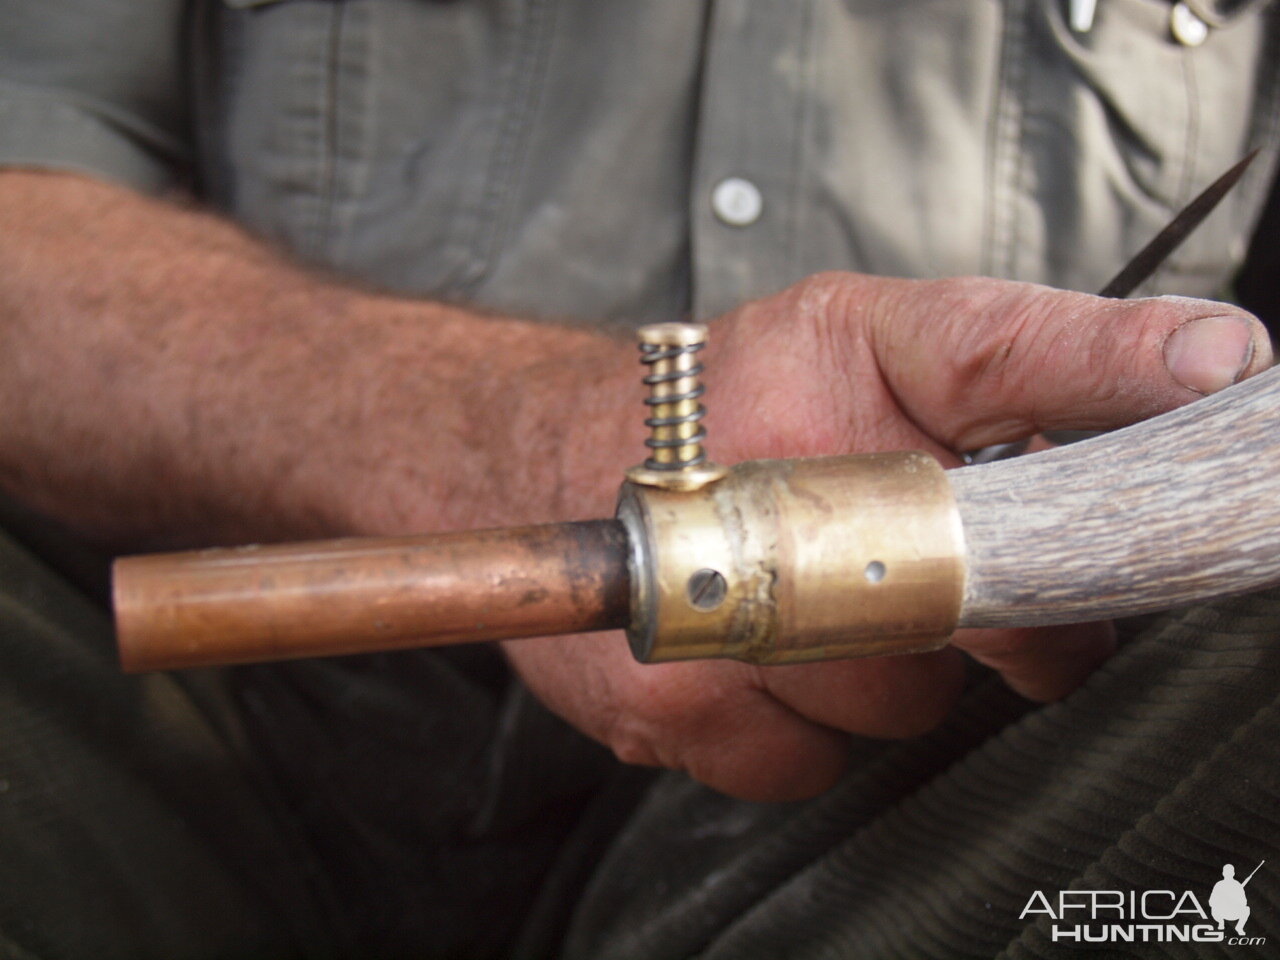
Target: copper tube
(252, 604)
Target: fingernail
(1209, 354)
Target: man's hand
(168, 380)
(846, 363)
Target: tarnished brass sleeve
(352, 596)
(784, 561)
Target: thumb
(1007, 360)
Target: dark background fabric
(402, 805)
(315, 810)
(1162, 768)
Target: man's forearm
(166, 379)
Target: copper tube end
(252, 604)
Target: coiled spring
(676, 460)
(675, 431)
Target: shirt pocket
(1102, 136)
(376, 137)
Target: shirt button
(1187, 28)
(737, 202)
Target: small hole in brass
(875, 571)
(707, 589)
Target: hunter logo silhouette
(1228, 900)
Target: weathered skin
(169, 381)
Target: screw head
(673, 334)
(707, 589)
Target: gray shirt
(632, 160)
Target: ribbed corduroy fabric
(140, 818)
(401, 805)
(1162, 768)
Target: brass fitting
(784, 561)
(678, 460)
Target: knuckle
(992, 323)
(825, 283)
(1138, 322)
(653, 726)
(812, 303)
(678, 717)
(632, 744)
(1024, 340)
(823, 298)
